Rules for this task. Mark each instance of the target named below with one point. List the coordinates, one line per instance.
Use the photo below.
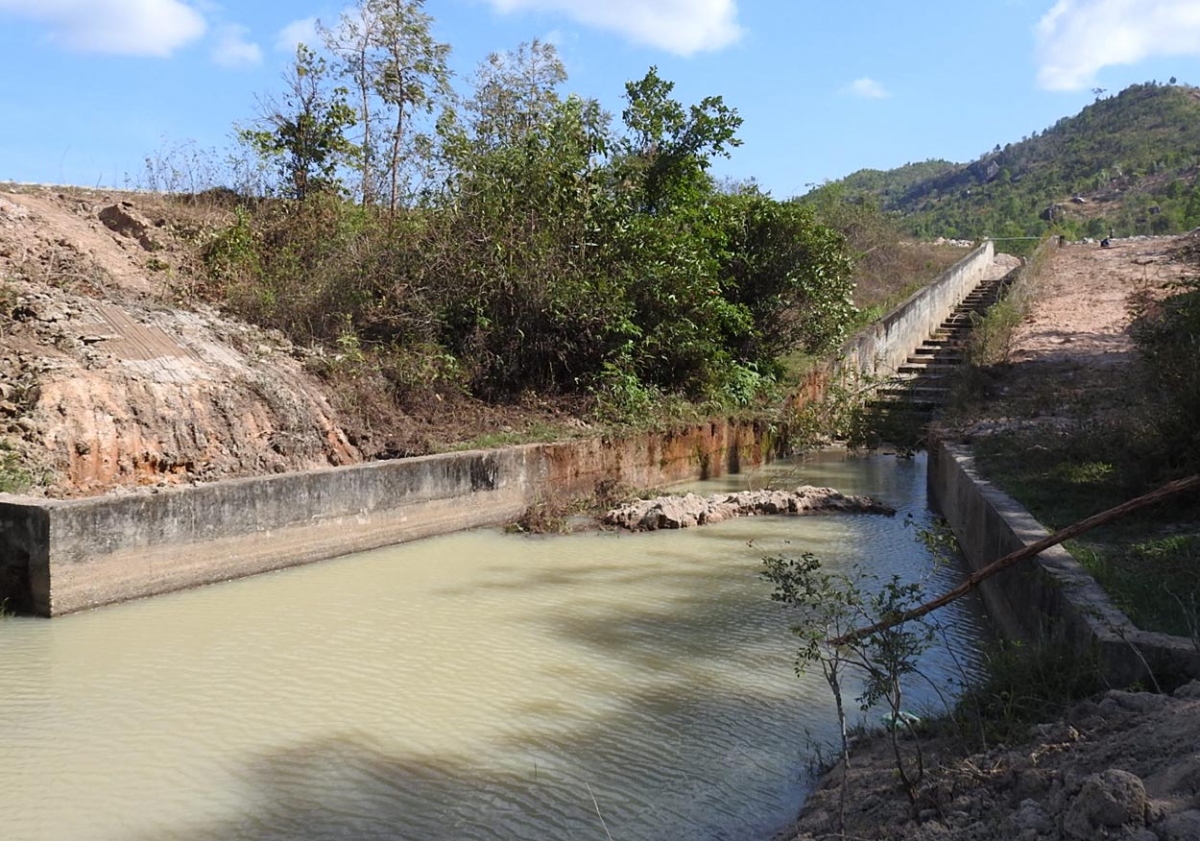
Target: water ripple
(478, 686)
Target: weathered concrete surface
(877, 351)
(1049, 597)
(881, 348)
(57, 557)
(681, 511)
(24, 555)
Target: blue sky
(88, 88)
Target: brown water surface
(475, 686)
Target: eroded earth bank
(116, 375)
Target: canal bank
(1049, 598)
(58, 557)
(65, 556)
(478, 686)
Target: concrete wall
(883, 347)
(1049, 597)
(879, 349)
(57, 557)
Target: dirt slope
(105, 386)
(1125, 766)
(113, 378)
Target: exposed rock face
(104, 386)
(1107, 801)
(681, 512)
(125, 220)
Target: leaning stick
(975, 579)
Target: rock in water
(681, 512)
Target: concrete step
(921, 374)
(923, 406)
(933, 368)
(919, 395)
(937, 353)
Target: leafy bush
(555, 254)
(14, 478)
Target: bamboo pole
(975, 579)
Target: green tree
(385, 49)
(515, 92)
(306, 134)
(790, 273)
(669, 149)
(531, 302)
(411, 77)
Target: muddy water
(477, 686)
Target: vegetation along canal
(476, 686)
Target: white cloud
(867, 88)
(678, 26)
(1077, 38)
(121, 27)
(232, 50)
(303, 31)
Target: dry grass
(887, 274)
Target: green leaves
(551, 252)
(665, 158)
(1121, 154)
(305, 135)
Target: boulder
(1108, 800)
(125, 220)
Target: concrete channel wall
(1049, 597)
(58, 557)
(881, 348)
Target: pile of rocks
(681, 512)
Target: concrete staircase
(905, 404)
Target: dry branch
(975, 579)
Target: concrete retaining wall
(57, 557)
(879, 349)
(1049, 597)
(883, 347)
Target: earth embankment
(109, 385)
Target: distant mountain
(1127, 164)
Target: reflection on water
(476, 686)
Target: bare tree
(386, 49)
(514, 92)
(353, 42)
